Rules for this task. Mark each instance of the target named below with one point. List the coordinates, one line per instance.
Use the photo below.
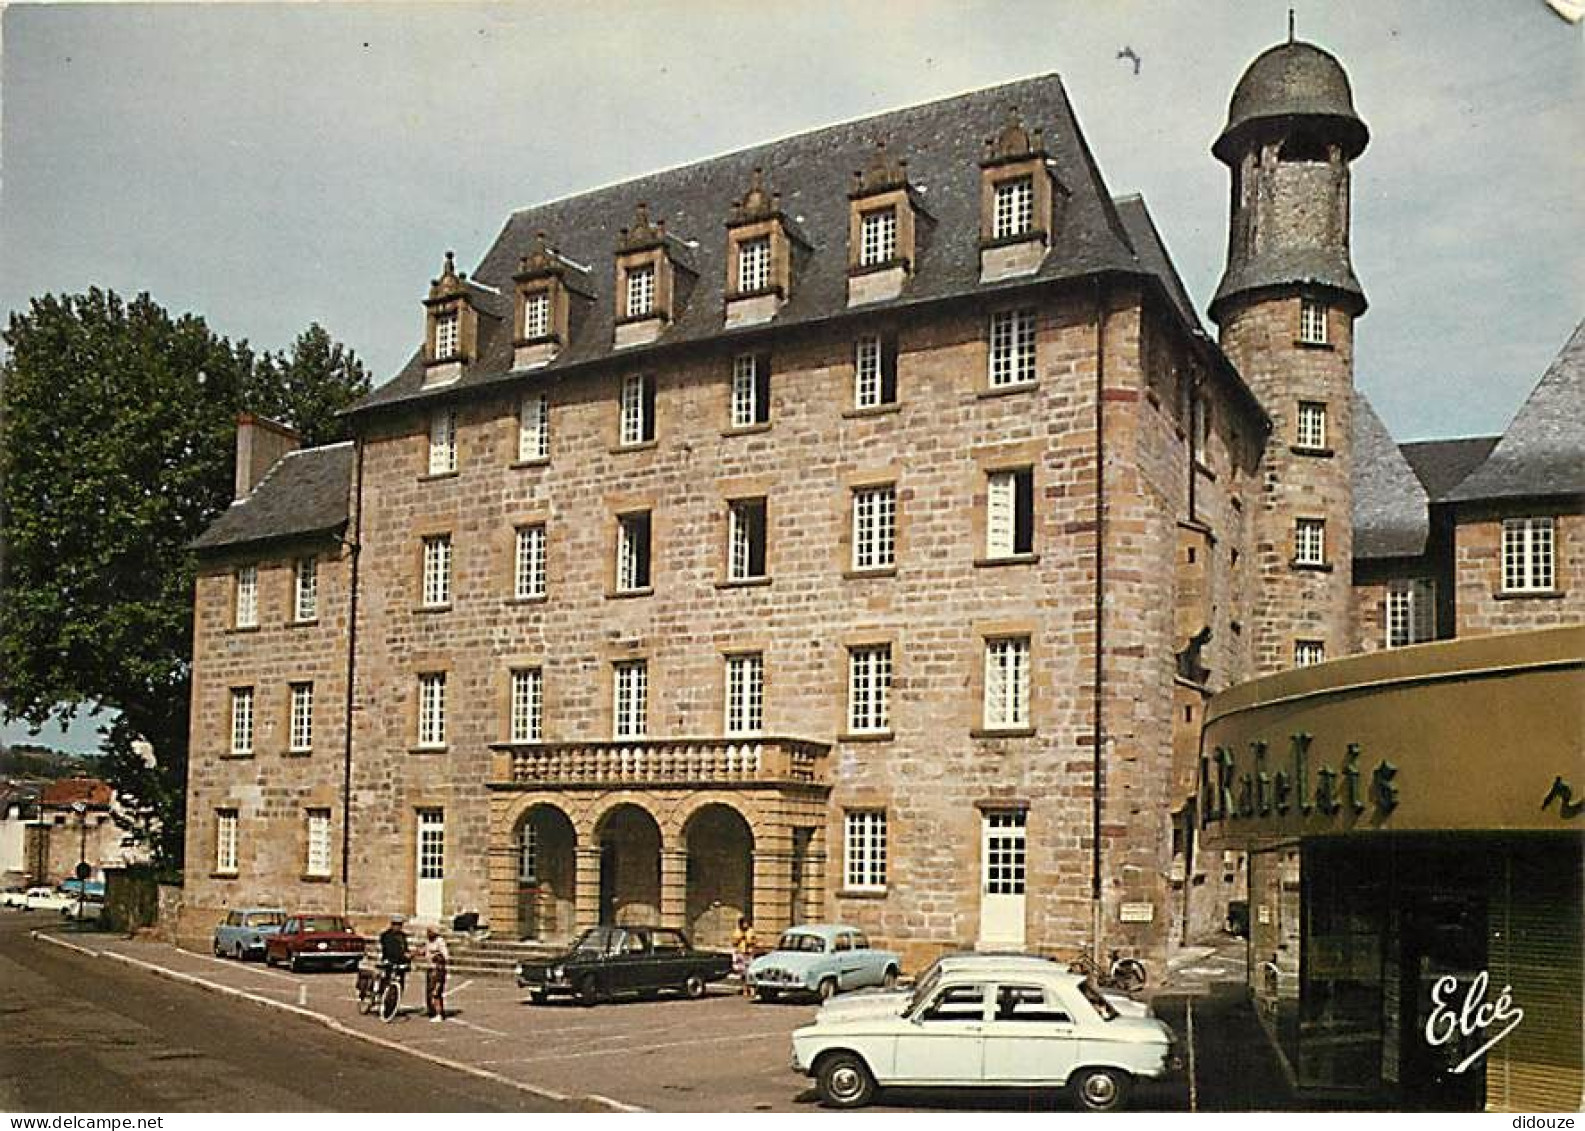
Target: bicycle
(380, 990)
(1120, 973)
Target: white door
(1002, 880)
(431, 870)
(943, 1043)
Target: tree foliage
(117, 441)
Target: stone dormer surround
(449, 297)
(647, 246)
(758, 216)
(1013, 154)
(544, 272)
(882, 186)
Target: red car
(308, 939)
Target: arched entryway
(720, 873)
(629, 842)
(547, 871)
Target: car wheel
(241, 955)
(218, 949)
(1100, 1089)
(694, 987)
(827, 989)
(269, 960)
(539, 997)
(294, 963)
(889, 979)
(588, 990)
(766, 994)
(843, 1080)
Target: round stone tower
(1286, 307)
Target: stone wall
(1482, 606)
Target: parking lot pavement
(721, 1053)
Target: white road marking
(476, 1028)
(232, 964)
(453, 991)
(736, 1039)
(49, 938)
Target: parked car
(306, 940)
(991, 1022)
(607, 961)
(822, 959)
(87, 910)
(13, 896)
(241, 934)
(46, 899)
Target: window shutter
(762, 388)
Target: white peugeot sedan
(987, 1023)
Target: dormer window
(536, 314)
(548, 289)
(753, 264)
(452, 333)
(1014, 212)
(883, 221)
(1020, 202)
(878, 237)
(447, 337)
(641, 291)
(761, 242)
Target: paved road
(80, 1035)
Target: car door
(942, 1043)
(849, 961)
(866, 970)
(1030, 1036)
(670, 958)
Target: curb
(335, 1026)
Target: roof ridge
(842, 123)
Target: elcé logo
(1474, 1015)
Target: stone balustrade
(663, 761)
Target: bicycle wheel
(390, 1000)
(1129, 973)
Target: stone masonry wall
(1482, 607)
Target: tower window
(1312, 322)
(1311, 431)
(1309, 542)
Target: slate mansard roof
(305, 493)
(1542, 452)
(943, 143)
(1391, 508)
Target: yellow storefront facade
(1414, 821)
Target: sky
(271, 165)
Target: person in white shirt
(439, 956)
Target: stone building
(849, 527)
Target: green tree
(117, 434)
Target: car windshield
(594, 941)
(266, 919)
(322, 923)
(925, 987)
(1095, 997)
(801, 940)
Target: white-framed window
(536, 314)
(442, 442)
(528, 855)
(1009, 513)
(875, 527)
(431, 844)
(1311, 430)
(746, 539)
(638, 409)
(750, 390)
(432, 709)
(318, 835)
(1309, 541)
(305, 589)
(226, 841)
(640, 290)
(864, 850)
(1005, 847)
(300, 731)
(242, 720)
(877, 237)
(753, 264)
(447, 336)
(630, 715)
(745, 693)
(632, 552)
(528, 563)
(874, 372)
(1312, 322)
(1007, 683)
(533, 427)
(1199, 426)
(869, 688)
(1014, 211)
(437, 570)
(528, 705)
(1528, 555)
(247, 611)
(1308, 652)
(1012, 348)
(1411, 611)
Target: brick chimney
(260, 443)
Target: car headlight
(558, 972)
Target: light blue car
(822, 959)
(242, 932)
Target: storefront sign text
(1227, 794)
(1474, 1014)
